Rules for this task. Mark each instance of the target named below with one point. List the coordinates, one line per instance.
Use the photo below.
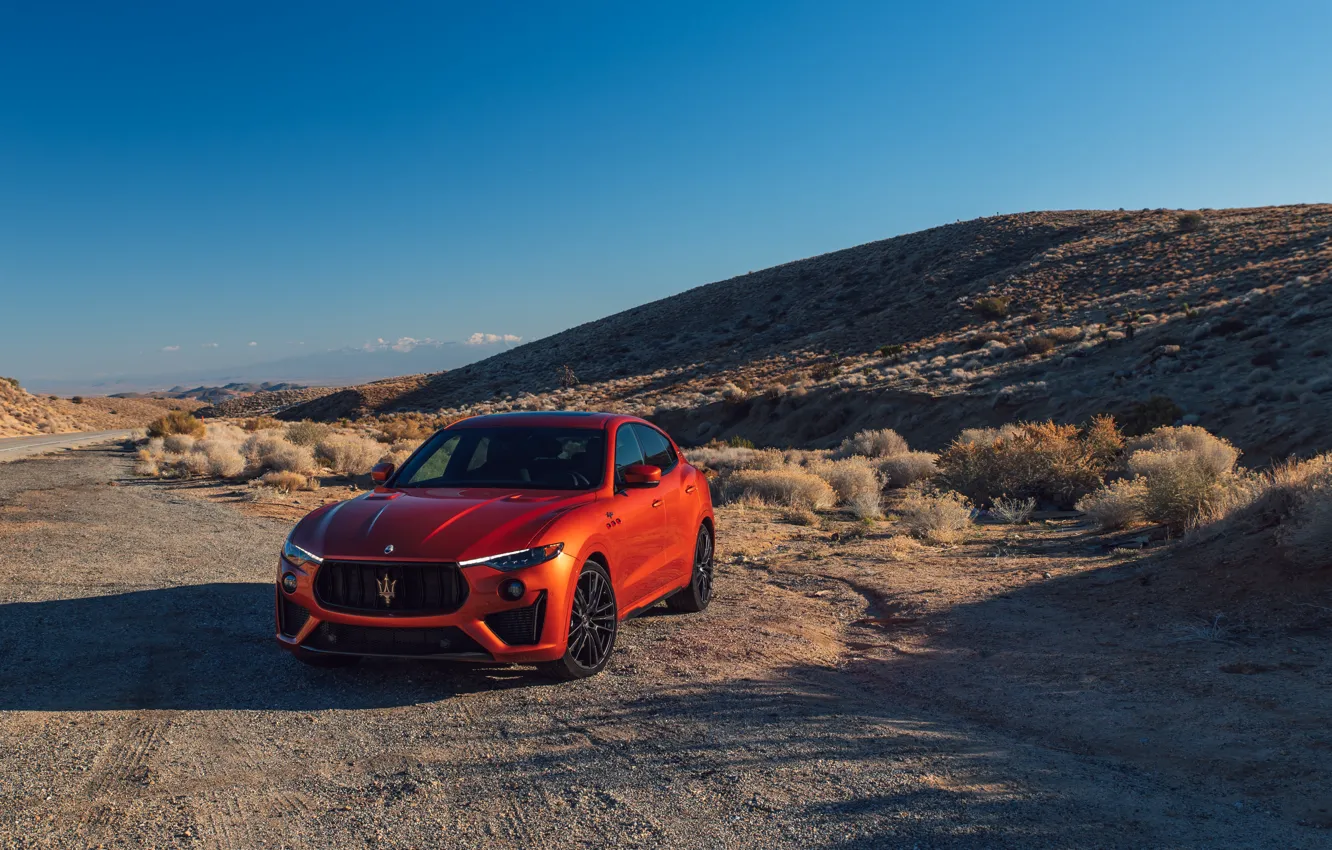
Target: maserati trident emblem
(388, 550)
(386, 589)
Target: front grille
(377, 640)
(519, 626)
(291, 617)
(390, 589)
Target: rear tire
(593, 623)
(696, 596)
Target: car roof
(545, 419)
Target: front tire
(696, 596)
(593, 622)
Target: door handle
(656, 503)
(691, 488)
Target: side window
(656, 448)
(627, 450)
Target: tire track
(124, 764)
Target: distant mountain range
(336, 367)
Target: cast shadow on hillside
(198, 647)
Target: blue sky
(200, 176)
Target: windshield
(520, 458)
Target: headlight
(519, 559)
(298, 557)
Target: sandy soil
(846, 689)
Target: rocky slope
(1226, 313)
(23, 414)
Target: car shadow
(199, 647)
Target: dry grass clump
(261, 423)
(349, 455)
(178, 443)
(1179, 477)
(937, 517)
(791, 488)
(883, 442)
(307, 433)
(1042, 460)
(856, 482)
(265, 453)
(223, 457)
(176, 422)
(1013, 511)
(725, 459)
(288, 482)
(907, 468)
(399, 428)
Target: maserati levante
(514, 537)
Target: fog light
(513, 589)
(289, 582)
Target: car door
(678, 563)
(640, 531)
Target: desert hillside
(1219, 317)
(23, 414)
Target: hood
(435, 524)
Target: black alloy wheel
(698, 593)
(593, 622)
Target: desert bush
(993, 307)
(1103, 441)
(405, 428)
(938, 518)
(738, 442)
(224, 460)
(13, 382)
(1013, 511)
(265, 453)
(1039, 344)
(193, 464)
(1216, 453)
(792, 488)
(1041, 460)
(905, 469)
(855, 481)
(1145, 416)
(287, 482)
(883, 442)
(176, 422)
(1180, 488)
(78, 399)
(1189, 222)
(892, 351)
(1117, 505)
(799, 516)
(726, 459)
(178, 443)
(1064, 334)
(261, 423)
(349, 455)
(307, 433)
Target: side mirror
(380, 472)
(642, 475)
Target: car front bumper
(486, 627)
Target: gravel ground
(144, 704)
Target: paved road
(13, 448)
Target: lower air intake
(374, 640)
(519, 626)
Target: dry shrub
(884, 442)
(800, 516)
(147, 467)
(178, 443)
(194, 464)
(1013, 511)
(307, 433)
(1117, 505)
(224, 459)
(899, 547)
(855, 481)
(288, 482)
(905, 469)
(726, 459)
(1215, 453)
(1041, 460)
(272, 453)
(791, 488)
(939, 518)
(406, 428)
(349, 455)
(993, 307)
(261, 423)
(176, 422)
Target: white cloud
(486, 339)
(171, 348)
(209, 345)
(252, 343)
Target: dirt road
(14, 448)
(143, 704)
